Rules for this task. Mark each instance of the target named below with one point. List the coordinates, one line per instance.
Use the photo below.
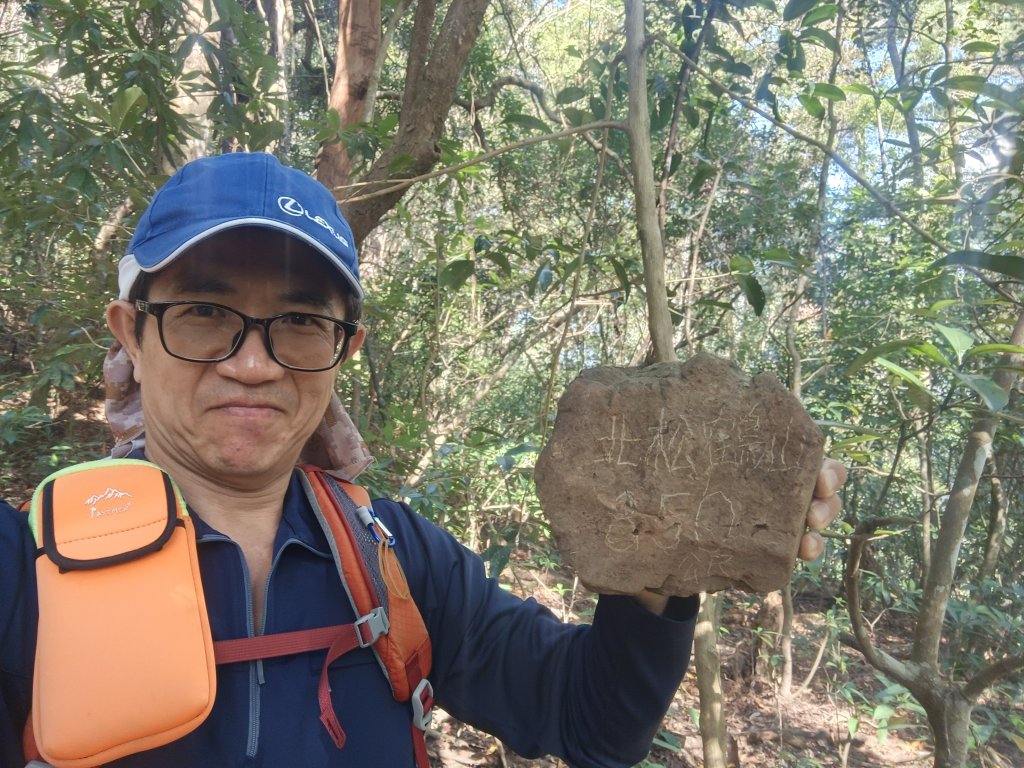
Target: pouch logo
(293, 207)
(110, 502)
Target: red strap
(28, 742)
(338, 639)
(280, 644)
(419, 748)
(339, 647)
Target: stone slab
(679, 478)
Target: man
(239, 300)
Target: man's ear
(355, 343)
(121, 321)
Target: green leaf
(994, 349)
(829, 91)
(402, 163)
(783, 258)
(819, 14)
(501, 260)
(883, 712)
(576, 117)
(705, 172)
(959, 340)
(77, 178)
(994, 396)
(1004, 264)
(939, 74)
(796, 8)
(877, 351)
(739, 68)
(980, 46)
(753, 291)
(860, 88)
(908, 376)
(763, 92)
(692, 115)
(797, 60)
(812, 105)
(931, 352)
(673, 166)
(456, 273)
(852, 725)
(527, 121)
(971, 83)
(849, 442)
(741, 263)
(820, 37)
(570, 94)
(123, 103)
(620, 273)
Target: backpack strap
(364, 553)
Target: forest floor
(846, 716)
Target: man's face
(242, 422)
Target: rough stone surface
(679, 478)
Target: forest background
(830, 191)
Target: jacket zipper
(256, 677)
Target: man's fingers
(830, 478)
(823, 512)
(811, 546)
(825, 507)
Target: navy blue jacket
(592, 695)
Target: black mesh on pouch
(364, 540)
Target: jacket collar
(298, 521)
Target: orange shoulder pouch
(124, 655)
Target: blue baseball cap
(239, 189)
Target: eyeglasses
(201, 332)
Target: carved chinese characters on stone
(679, 478)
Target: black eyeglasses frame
(158, 308)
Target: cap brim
(174, 243)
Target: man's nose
(252, 362)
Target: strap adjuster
(422, 701)
(372, 626)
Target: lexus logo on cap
(293, 207)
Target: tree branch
(1012, 666)
(861, 639)
(390, 186)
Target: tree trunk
(435, 64)
(932, 612)
(996, 525)
(949, 715)
(359, 36)
(707, 660)
(786, 642)
(193, 103)
(639, 130)
(796, 373)
(278, 16)
(709, 683)
(896, 55)
(769, 628)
